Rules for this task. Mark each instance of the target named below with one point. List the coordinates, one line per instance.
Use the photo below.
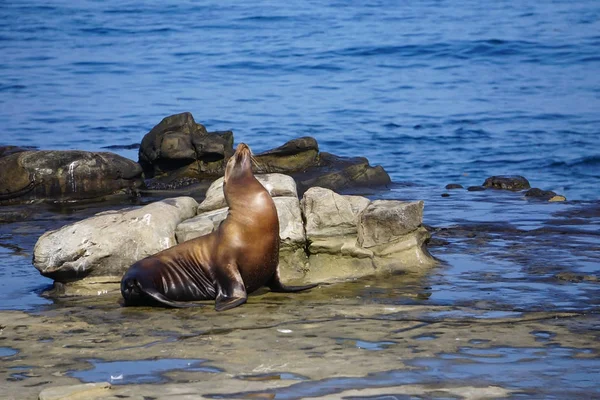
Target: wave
(502, 51)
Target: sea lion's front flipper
(231, 290)
(276, 286)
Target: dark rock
(340, 173)
(445, 194)
(454, 186)
(179, 149)
(180, 146)
(475, 188)
(514, 183)
(65, 175)
(295, 155)
(540, 194)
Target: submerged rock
(65, 175)
(507, 182)
(454, 186)
(106, 244)
(476, 188)
(547, 195)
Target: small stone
(445, 194)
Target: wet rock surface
(514, 292)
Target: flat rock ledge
(325, 237)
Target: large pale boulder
(329, 214)
(200, 225)
(349, 236)
(293, 259)
(385, 221)
(108, 243)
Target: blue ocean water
(435, 91)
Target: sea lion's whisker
(256, 163)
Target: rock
(329, 214)
(295, 155)
(278, 185)
(340, 173)
(451, 186)
(475, 188)
(514, 183)
(340, 230)
(65, 175)
(182, 147)
(385, 221)
(76, 392)
(293, 259)
(445, 194)
(179, 148)
(540, 194)
(547, 195)
(200, 225)
(291, 227)
(109, 242)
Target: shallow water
(436, 92)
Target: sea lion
(239, 257)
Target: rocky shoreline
(513, 303)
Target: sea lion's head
(239, 165)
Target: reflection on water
(535, 371)
(143, 371)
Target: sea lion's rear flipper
(231, 288)
(162, 299)
(277, 286)
(135, 294)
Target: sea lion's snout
(242, 146)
